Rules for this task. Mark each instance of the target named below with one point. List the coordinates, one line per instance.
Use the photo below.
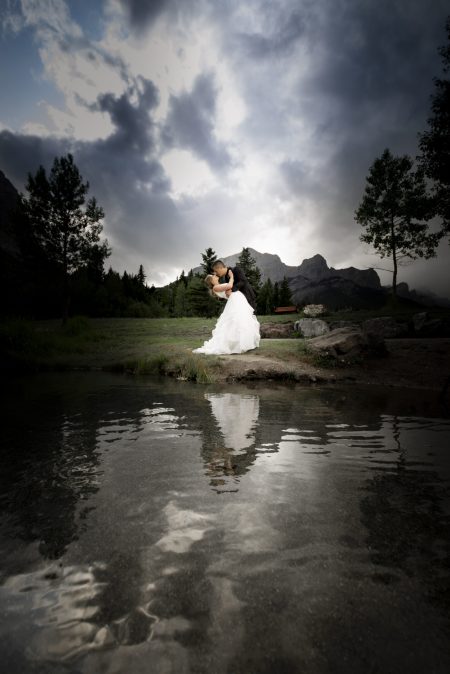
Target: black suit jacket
(241, 283)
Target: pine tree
(141, 276)
(200, 302)
(285, 298)
(181, 305)
(276, 294)
(265, 299)
(208, 257)
(435, 143)
(64, 225)
(248, 264)
(395, 210)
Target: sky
(221, 123)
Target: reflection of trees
(407, 525)
(51, 464)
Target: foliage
(64, 225)
(199, 301)
(208, 257)
(395, 211)
(248, 265)
(435, 142)
(285, 297)
(265, 302)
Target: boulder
(346, 344)
(311, 327)
(426, 326)
(314, 310)
(276, 330)
(419, 320)
(342, 324)
(385, 327)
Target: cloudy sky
(219, 122)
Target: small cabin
(286, 310)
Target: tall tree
(199, 301)
(435, 143)
(65, 226)
(265, 299)
(208, 257)
(141, 276)
(248, 265)
(285, 298)
(276, 294)
(395, 211)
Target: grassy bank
(151, 345)
(138, 345)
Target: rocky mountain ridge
(314, 269)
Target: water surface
(158, 526)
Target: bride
(237, 328)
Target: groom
(240, 281)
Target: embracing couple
(237, 328)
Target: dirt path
(420, 363)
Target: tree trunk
(65, 296)
(394, 259)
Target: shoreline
(420, 363)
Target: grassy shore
(149, 345)
(137, 345)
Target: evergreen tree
(181, 304)
(141, 276)
(285, 298)
(208, 257)
(435, 143)
(276, 295)
(200, 302)
(395, 210)
(64, 225)
(248, 264)
(265, 299)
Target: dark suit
(241, 283)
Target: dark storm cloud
(123, 171)
(21, 153)
(143, 13)
(190, 123)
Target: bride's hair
(209, 283)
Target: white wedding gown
(236, 330)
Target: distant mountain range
(313, 282)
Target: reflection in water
(404, 512)
(230, 448)
(327, 549)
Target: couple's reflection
(229, 439)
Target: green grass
(149, 345)
(137, 345)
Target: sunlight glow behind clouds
(267, 119)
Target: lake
(153, 525)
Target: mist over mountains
(313, 281)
